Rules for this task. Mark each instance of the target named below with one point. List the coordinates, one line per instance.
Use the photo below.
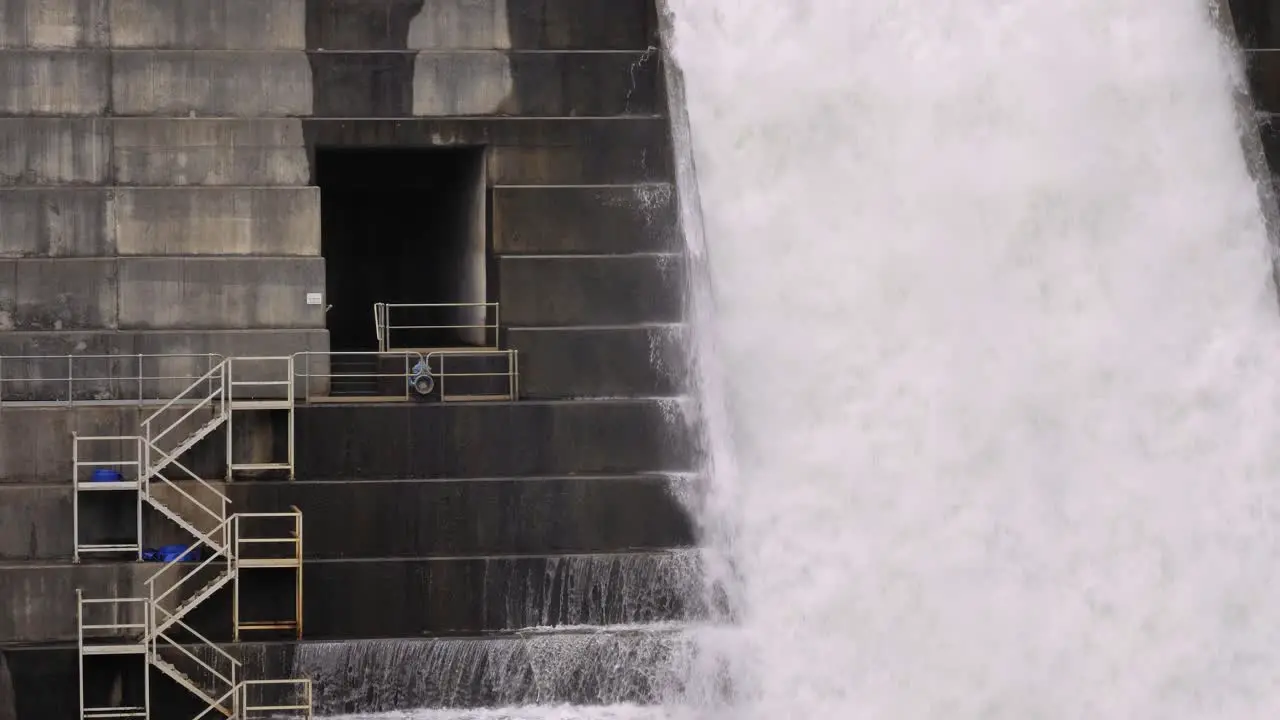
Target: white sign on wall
(314, 298)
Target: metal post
(80, 643)
(137, 446)
(70, 379)
(235, 578)
(75, 490)
(289, 368)
(228, 385)
(149, 622)
(139, 379)
(297, 610)
(1, 380)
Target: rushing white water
(1000, 348)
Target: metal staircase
(154, 627)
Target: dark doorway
(405, 227)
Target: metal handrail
(434, 359)
(305, 705)
(219, 369)
(219, 552)
(383, 326)
(512, 374)
(72, 379)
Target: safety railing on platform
(120, 636)
(77, 379)
(402, 375)
(265, 541)
(263, 384)
(110, 462)
(425, 326)
(275, 698)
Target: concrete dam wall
(186, 180)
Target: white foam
(995, 318)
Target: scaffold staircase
(155, 627)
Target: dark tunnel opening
(405, 227)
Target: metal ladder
(215, 679)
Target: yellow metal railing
(415, 326)
(86, 379)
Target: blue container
(106, 475)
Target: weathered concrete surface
(36, 521)
(188, 293)
(589, 220)
(34, 82)
(216, 84)
(619, 151)
(180, 151)
(349, 519)
(220, 221)
(411, 440)
(213, 293)
(53, 23)
(62, 294)
(466, 24)
(40, 600)
(591, 290)
(209, 24)
(54, 151)
(565, 363)
(56, 223)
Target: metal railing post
(139, 356)
(75, 491)
(70, 379)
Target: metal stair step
(92, 713)
(186, 681)
(200, 596)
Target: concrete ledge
(413, 598)
(153, 293)
(56, 222)
(54, 151)
(529, 84)
(591, 290)
(37, 524)
(413, 440)
(532, 151)
(52, 24)
(180, 151)
(209, 24)
(40, 600)
(470, 25)
(221, 221)
(218, 293)
(53, 83)
(597, 220)
(559, 364)
(348, 519)
(217, 84)
(62, 294)
(370, 676)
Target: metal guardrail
(250, 704)
(422, 326)
(71, 379)
(403, 375)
